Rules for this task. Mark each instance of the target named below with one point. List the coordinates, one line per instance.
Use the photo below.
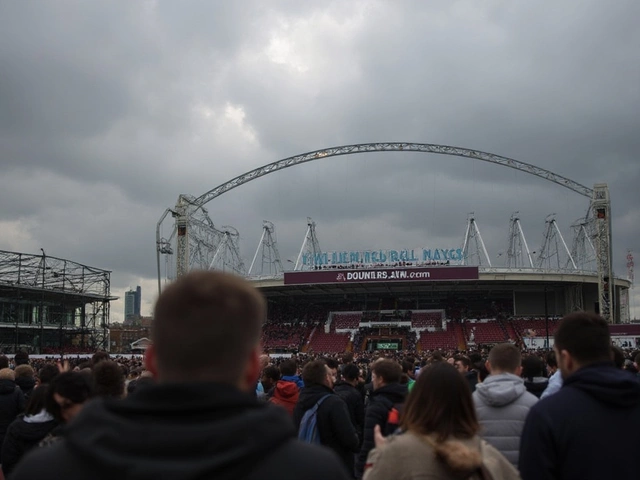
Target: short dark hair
(440, 403)
(21, 358)
(271, 372)
(407, 366)
(205, 326)
(347, 358)
(288, 368)
(108, 379)
(389, 370)
(4, 362)
(47, 373)
(585, 336)
(73, 386)
(314, 373)
(505, 357)
(350, 372)
(464, 360)
(532, 366)
(332, 363)
(99, 357)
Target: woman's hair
(440, 403)
(37, 400)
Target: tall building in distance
(132, 304)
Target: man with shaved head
(200, 418)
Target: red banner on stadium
(425, 274)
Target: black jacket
(380, 402)
(179, 432)
(334, 425)
(536, 385)
(11, 405)
(20, 438)
(588, 430)
(355, 404)
(472, 378)
(26, 384)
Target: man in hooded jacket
(588, 430)
(201, 418)
(387, 397)
(502, 401)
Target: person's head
(47, 373)
(532, 367)
(99, 357)
(385, 372)
(288, 368)
(504, 358)
(270, 377)
(347, 358)
(24, 371)
(21, 358)
(440, 403)
(408, 367)
(333, 365)
(109, 379)
(4, 362)
(37, 401)
(318, 373)
(462, 364)
(67, 394)
(581, 339)
(351, 374)
(207, 327)
(7, 374)
(552, 364)
(618, 356)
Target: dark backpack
(308, 431)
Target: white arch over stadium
(187, 204)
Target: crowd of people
(206, 403)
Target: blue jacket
(588, 430)
(295, 379)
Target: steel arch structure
(188, 205)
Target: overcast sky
(109, 110)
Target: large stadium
(404, 299)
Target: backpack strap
(319, 402)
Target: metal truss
(549, 255)
(582, 250)
(310, 248)
(601, 207)
(187, 204)
(227, 256)
(271, 265)
(50, 301)
(473, 247)
(389, 147)
(518, 254)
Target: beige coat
(411, 457)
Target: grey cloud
(109, 111)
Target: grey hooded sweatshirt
(502, 404)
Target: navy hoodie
(588, 430)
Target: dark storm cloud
(109, 110)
